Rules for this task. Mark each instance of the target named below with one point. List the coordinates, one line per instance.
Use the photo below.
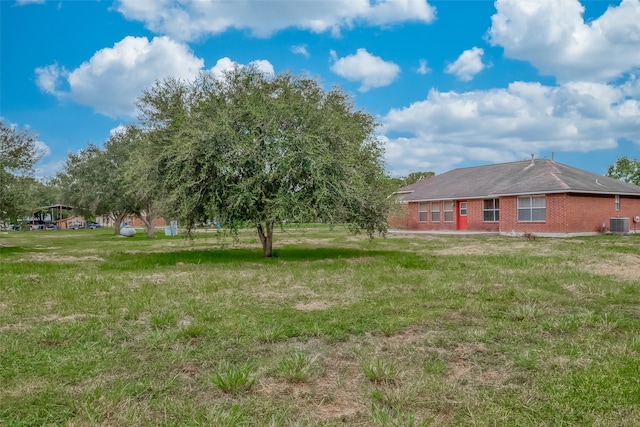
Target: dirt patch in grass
(315, 242)
(362, 260)
(407, 336)
(332, 396)
(463, 370)
(563, 363)
(36, 257)
(480, 248)
(313, 306)
(173, 248)
(284, 293)
(25, 388)
(13, 327)
(625, 266)
(357, 238)
(159, 278)
(67, 319)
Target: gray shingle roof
(507, 179)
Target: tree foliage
(395, 183)
(114, 181)
(93, 181)
(18, 155)
(414, 177)
(626, 170)
(265, 150)
(142, 179)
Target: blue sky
(453, 83)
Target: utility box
(619, 225)
(172, 229)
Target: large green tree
(250, 147)
(18, 155)
(626, 170)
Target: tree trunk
(266, 238)
(147, 221)
(117, 220)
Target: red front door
(461, 215)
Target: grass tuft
(380, 371)
(234, 379)
(297, 368)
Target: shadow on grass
(129, 261)
(6, 250)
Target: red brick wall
(474, 218)
(414, 224)
(570, 213)
(555, 216)
(565, 214)
(399, 216)
(593, 211)
(137, 222)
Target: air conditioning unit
(619, 225)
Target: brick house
(532, 196)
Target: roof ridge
(485, 166)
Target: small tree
(93, 181)
(626, 170)
(265, 149)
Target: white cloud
(226, 64)
(508, 124)
(49, 78)
(112, 80)
(222, 66)
(631, 87)
(553, 36)
(114, 77)
(371, 71)
(42, 148)
(48, 169)
(423, 68)
(301, 50)
(189, 20)
(118, 130)
(264, 66)
(468, 64)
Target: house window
(491, 210)
(463, 208)
(532, 208)
(435, 211)
(617, 203)
(447, 210)
(422, 212)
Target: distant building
(131, 220)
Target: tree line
(247, 148)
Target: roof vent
(619, 225)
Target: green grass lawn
(97, 329)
